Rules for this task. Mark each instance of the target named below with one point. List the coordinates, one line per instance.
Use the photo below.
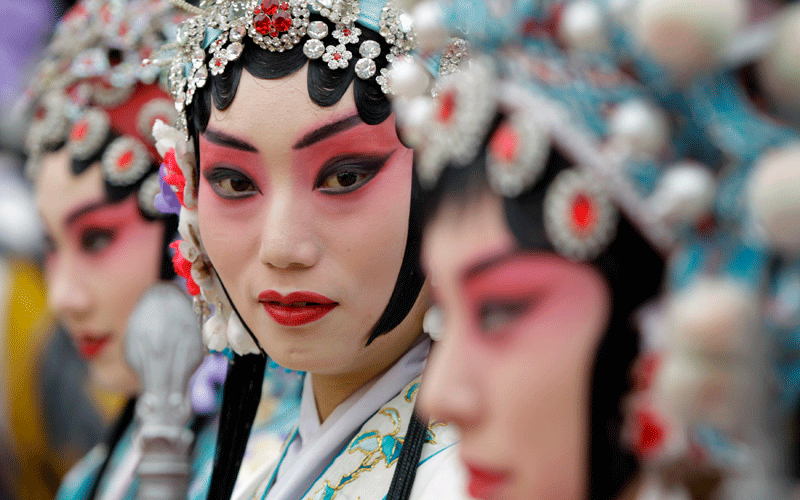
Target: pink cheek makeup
(130, 235)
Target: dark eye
(348, 173)
(230, 184)
(343, 180)
(497, 315)
(96, 240)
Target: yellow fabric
(38, 467)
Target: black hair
(633, 270)
(325, 88)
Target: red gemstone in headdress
(78, 132)
(271, 17)
(504, 143)
(583, 213)
(124, 162)
(447, 106)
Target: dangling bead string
(191, 9)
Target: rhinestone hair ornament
(215, 35)
(708, 176)
(91, 94)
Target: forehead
(59, 191)
(272, 113)
(463, 233)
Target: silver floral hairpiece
(215, 36)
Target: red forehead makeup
(103, 214)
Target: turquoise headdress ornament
(675, 143)
(215, 35)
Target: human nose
(287, 239)
(67, 295)
(448, 390)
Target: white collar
(308, 457)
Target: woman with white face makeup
(94, 167)
(300, 231)
(553, 196)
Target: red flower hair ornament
(222, 327)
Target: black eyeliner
(219, 173)
(361, 164)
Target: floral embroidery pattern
(375, 447)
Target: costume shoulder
(364, 468)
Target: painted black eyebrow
(484, 265)
(85, 209)
(228, 141)
(328, 130)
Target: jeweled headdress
(91, 94)
(680, 116)
(216, 35)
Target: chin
(114, 378)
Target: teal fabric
(281, 393)
(78, 483)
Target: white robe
(352, 455)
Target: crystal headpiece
(207, 42)
(91, 94)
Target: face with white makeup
(102, 256)
(535, 350)
(307, 226)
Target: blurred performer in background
(40, 368)
(559, 190)
(94, 166)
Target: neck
(330, 390)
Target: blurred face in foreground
(514, 364)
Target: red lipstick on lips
(90, 346)
(484, 484)
(297, 308)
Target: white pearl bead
(780, 71)
(583, 27)
(774, 197)
(413, 116)
(240, 341)
(429, 27)
(408, 78)
(639, 127)
(214, 333)
(684, 193)
(688, 36)
(715, 317)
